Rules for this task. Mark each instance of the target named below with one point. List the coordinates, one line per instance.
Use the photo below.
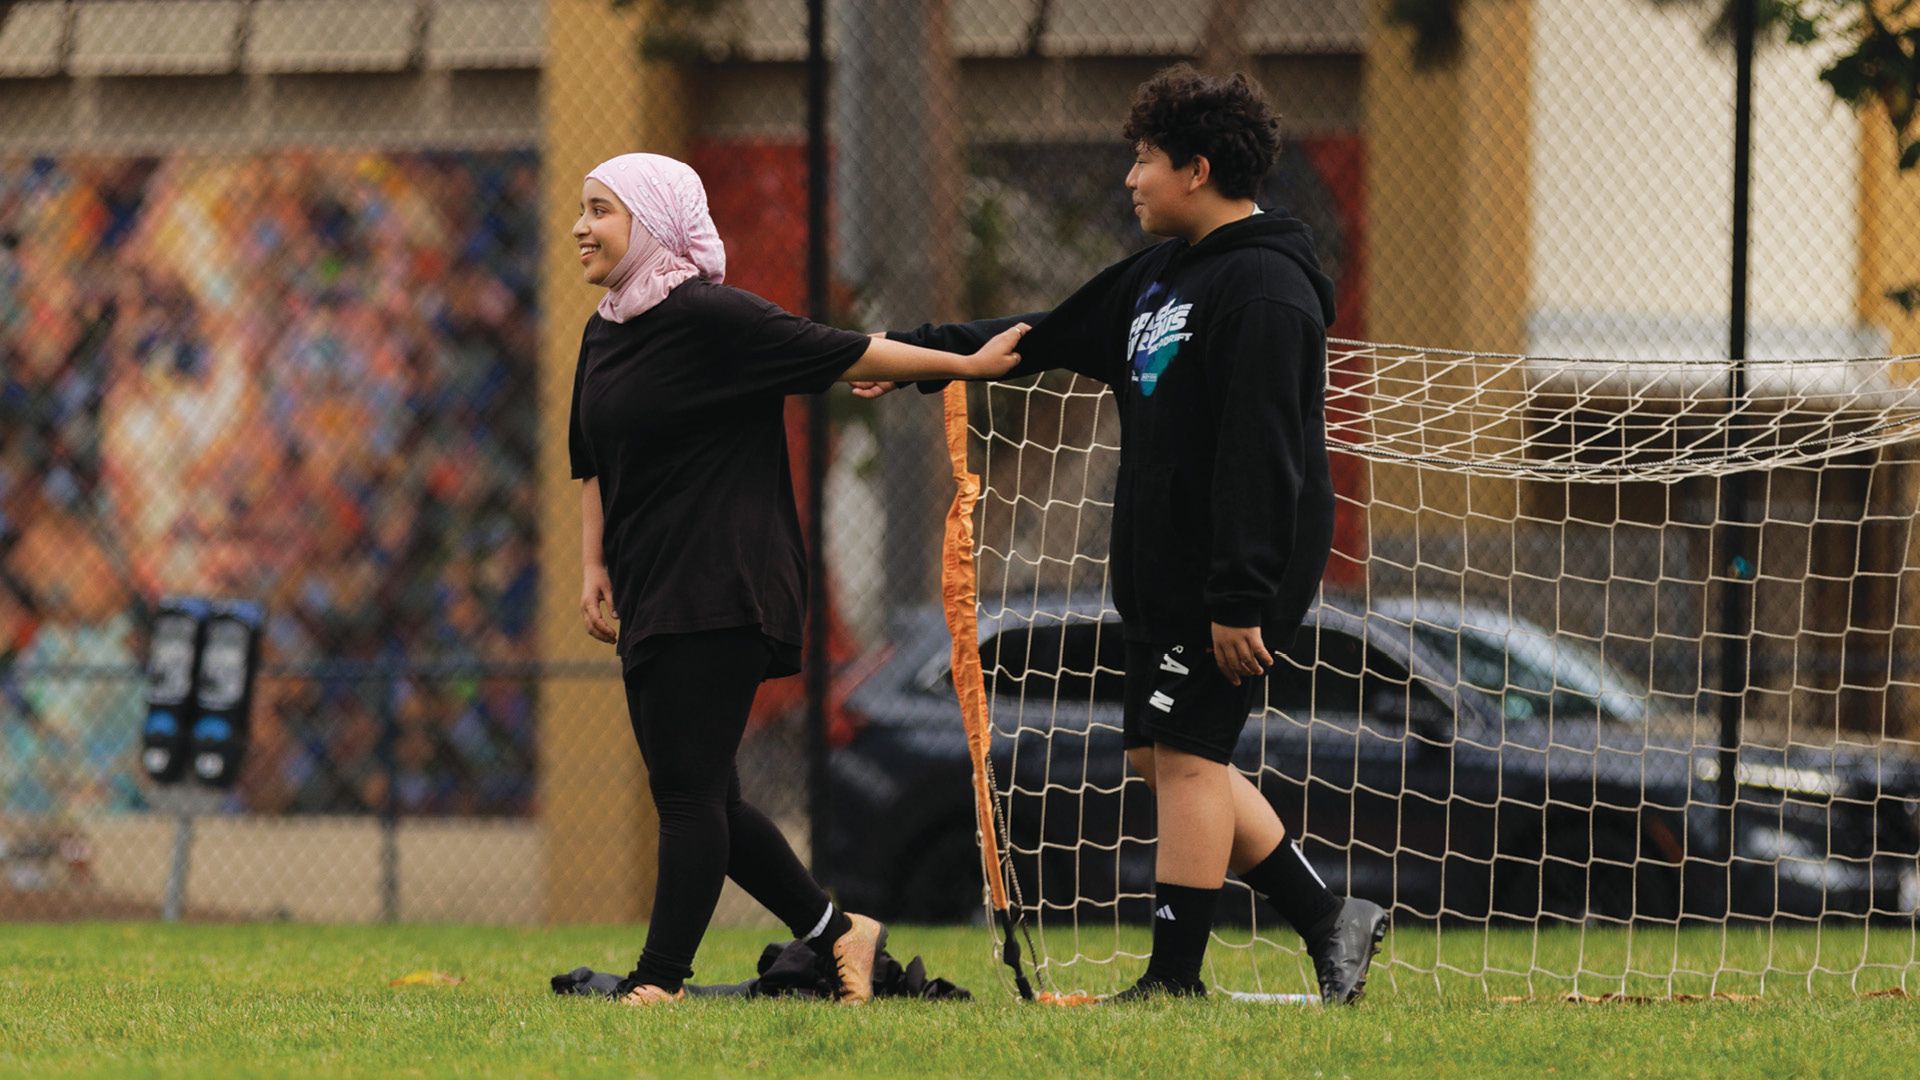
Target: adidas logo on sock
(1165, 912)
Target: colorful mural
(304, 379)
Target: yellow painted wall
(1890, 259)
(1448, 155)
(597, 819)
(1889, 234)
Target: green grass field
(150, 1000)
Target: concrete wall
(325, 869)
(332, 869)
(1632, 186)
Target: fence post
(177, 870)
(819, 310)
(185, 802)
(390, 805)
(1737, 596)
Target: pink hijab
(673, 237)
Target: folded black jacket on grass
(787, 969)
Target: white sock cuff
(1302, 856)
(820, 926)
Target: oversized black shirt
(679, 411)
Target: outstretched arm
(1084, 334)
(871, 390)
(952, 338)
(893, 361)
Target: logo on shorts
(1168, 663)
(1161, 701)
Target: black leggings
(688, 700)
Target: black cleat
(1155, 988)
(1341, 958)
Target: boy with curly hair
(1214, 343)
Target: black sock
(1182, 919)
(1294, 890)
(655, 970)
(835, 925)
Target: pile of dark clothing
(788, 969)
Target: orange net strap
(959, 592)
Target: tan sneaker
(647, 994)
(853, 956)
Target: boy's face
(1161, 193)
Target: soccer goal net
(1611, 686)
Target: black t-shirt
(680, 413)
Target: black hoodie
(1216, 352)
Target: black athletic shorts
(1176, 696)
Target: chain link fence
(288, 313)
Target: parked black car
(1447, 761)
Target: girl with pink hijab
(692, 542)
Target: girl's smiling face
(602, 232)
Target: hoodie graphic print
(1156, 335)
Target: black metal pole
(1737, 595)
(817, 309)
(390, 806)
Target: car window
(1535, 677)
(1522, 689)
(1082, 661)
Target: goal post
(1501, 717)
(958, 591)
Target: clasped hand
(997, 357)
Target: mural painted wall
(306, 379)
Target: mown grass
(278, 1000)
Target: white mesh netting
(1503, 719)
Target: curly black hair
(1227, 121)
